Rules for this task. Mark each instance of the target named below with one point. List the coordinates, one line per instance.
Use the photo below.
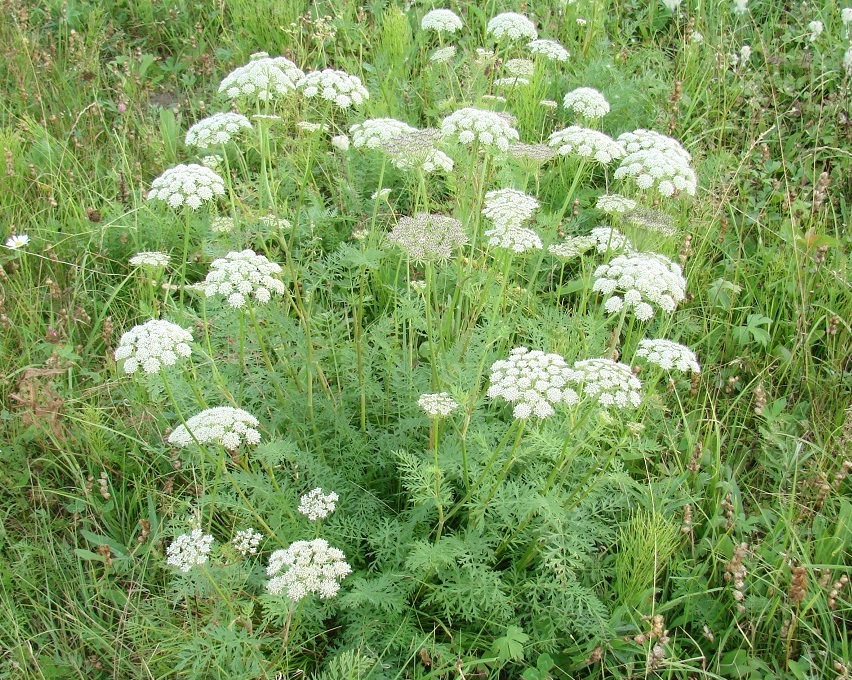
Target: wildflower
(846, 16)
(212, 161)
(189, 550)
(532, 380)
(745, 53)
(152, 345)
(311, 567)
(511, 25)
(308, 126)
(509, 207)
(548, 104)
(672, 5)
(337, 87)
(416, 150)
(189, 185)
(380, 195)
(216, 129)
(608, 238)
(696, 38)
(375, 133)
(221, 224)
(572, 247)
(614, 203)
(487, 127)
(223, 425)
(520, 67)
(428, 237)
(816, 28)
(515, 238)
(496, 98)
(645, 279)
(652, 220)
(16, 241)
(533, 154)
(275, 223)
(550, 49)
(483, 57)
(441, 21)
(437, 405)
(150, 258)
(587, 102)
(443, 54)
(610, 382)
(581, 22)
(513, 81)
(246, 542)
(316, 505)
(341, 143)
(847, 61)
(740, 7)
(655, 160)
(668, 355)
(586, 143)
(238, 275)
(264, 78)
(418, 287)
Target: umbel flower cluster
(470, 125)
(609, 238)
(189, 185)
(587, 102)
(532, 380)
(152, 345)
(572, 246)
(513, 26)
(647, 280)
(375, 133)
(150, 258)
(317, 505)
(437, 405)
(189, 550)
(655, 160)
(428, 237)
(550, 49)
(610, 382)
(219, 128)
(416, 150)
(337, 87)
(223, 425)
(668, 355)
(246, 542)
(441, 21)
(264, 78)
(307, 567)
(240, 275)
(615, 203)
(508, 209)
(586, 143)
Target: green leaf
(510, 647)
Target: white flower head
(338, 87)
(846, 16)
(225, 425)
(416, 150)
(610, 239)
(644, 281)
(307, 567)
(189, 550)
(696, 38)
(816, 28)
(150, 258)
(654, 160)
(189, 185)
(219, 128)
(740, 7)
(587, 102)
(668, 355)
(317, 505)
(375, 133)
(548, 104)
(153, 345)
(442, 55)
(532, 380)
(264, 79)
(428, 237)
(519, 67)
(212, 161)
(549, 49)
(515, 238)
(221, 224)
(246, 542)
(611, 383)
(509, 207)
(586, 143)
(534, 155)
(489, 128)
(572, 247)
(241, 275)
(441, 21)
(16, 241)
(437, 405)
(511, 25)
(847, 61)
(341, 143)
(672, 5)
(512, 81)
(614, 203)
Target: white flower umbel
(16, 241)
(219, 128)
(189, 550)
(223, 425)
(535, 155)
(240, 275)
(437, 405)
(654, 160)
(672, 5)
(515, 238)
(532, 380)
(212, 161)
(645, 281)
(615, 203)
(428, 237)
(189, 185)
(610, 382)
(585, 143)
(549, 49)
(338, 87)
(341, 143)
(221, 224)
(375, 133)
(441, 21)
(264, 79)
(415, 150)
(470, 125)
(608, 238)
(740, 7)
(509, 207)
(152, 345)
(572, 247)
(308, 567)
(652, 220)
(520, 67)
(586, 101)
(668, 355)
(846, 15)
(816, 28)
(316, 505)
(150, 258)
(512, 81)
(442, 55)
(246, 542)
(512, 26)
